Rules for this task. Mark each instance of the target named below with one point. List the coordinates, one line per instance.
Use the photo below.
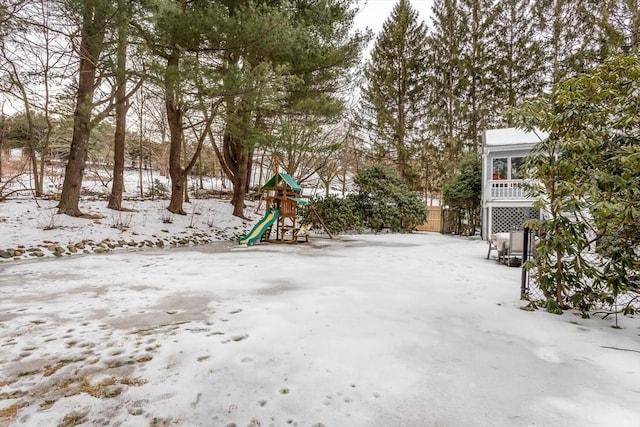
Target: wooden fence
(434, 220)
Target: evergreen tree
(589, 164)
(181, 38)
(393, 109)
(463, 192)
(616, 26)
(447, 82)
(478, 54)
(626, 19)
(281, 60)
(518, 70)
(93, 16)
(567, 35)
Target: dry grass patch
(73, 419)
(106, 389)
(6, 382)
(52, 369)
(9, 414)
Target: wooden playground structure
(283, 197)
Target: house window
(517, 171)
(499, 168)
(507, 168)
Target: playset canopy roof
(278, 178)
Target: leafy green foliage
(462, 193)
(393, 108)
(586, 177)
(383, 200)
(519, 59)
(339, 214)
(157, 190)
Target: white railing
(506, 189)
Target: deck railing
(506, 189)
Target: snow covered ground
(376, 330)
(31, 228)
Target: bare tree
(36, 59)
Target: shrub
(383, 200)
(338, 214)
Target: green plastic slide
(259, 229)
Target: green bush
(157, 190)
(338, 214)
(383, 200)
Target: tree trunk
(634, 37)
(33, 158)
(186, 176)
(117, 187)
(2, 123)
(239, 167)
(175, 121)
(91, 43)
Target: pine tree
(281, 60)
(393, 110)
(517, 74)
(627, 16)
(478, 53)
(567, 37)
(616, 26)
(94, 16)
(447, 84)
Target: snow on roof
(513, 136)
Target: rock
(73, 249)
(5, 254)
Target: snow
(367, 330)
(24, 223)
(362, 330)
(29, 224)
(513, 136)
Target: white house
(505, 206)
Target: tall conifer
(478, 58)
(447, 81)
(518, 71)
(393, 109)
